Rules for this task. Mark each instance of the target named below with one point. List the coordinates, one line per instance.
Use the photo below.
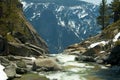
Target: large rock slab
(25, 50)
(19, 49)
(46, 64)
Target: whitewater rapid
(73, 70)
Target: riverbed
(74, 70)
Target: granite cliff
(17, 35)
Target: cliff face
(18, 32)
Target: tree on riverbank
(115, 8)
(103, 18)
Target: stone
(10, 71)
(10, 68)
(18, 76)
(5, 62)
(93, 51)
(90, 52)
(46, 65)
(21, 64)
(85, 58)
(21, 67)
(21, 70)
(99, 61)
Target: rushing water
(73, 70)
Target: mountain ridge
(68, 21)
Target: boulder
(10, 71)
(93, 51)
(103, 56)
(21, 64)
(46, 65)
(21, 67)
(114, 57)
(85, 58)
(90, 52)
(10, 68)
(100, 61)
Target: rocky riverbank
(18, 66)
(19, 42)
(76, 70)
(24, 54)
(102, 48)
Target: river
(73, 70)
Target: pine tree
(103, 18)
(115, 7)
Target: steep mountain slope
(16, 33)
(62, 22)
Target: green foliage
(103, 18)
(11, 20)
(115, 7)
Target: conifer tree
(115, 7)
(103, 18)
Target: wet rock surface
(46, 65)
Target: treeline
(108, 13)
